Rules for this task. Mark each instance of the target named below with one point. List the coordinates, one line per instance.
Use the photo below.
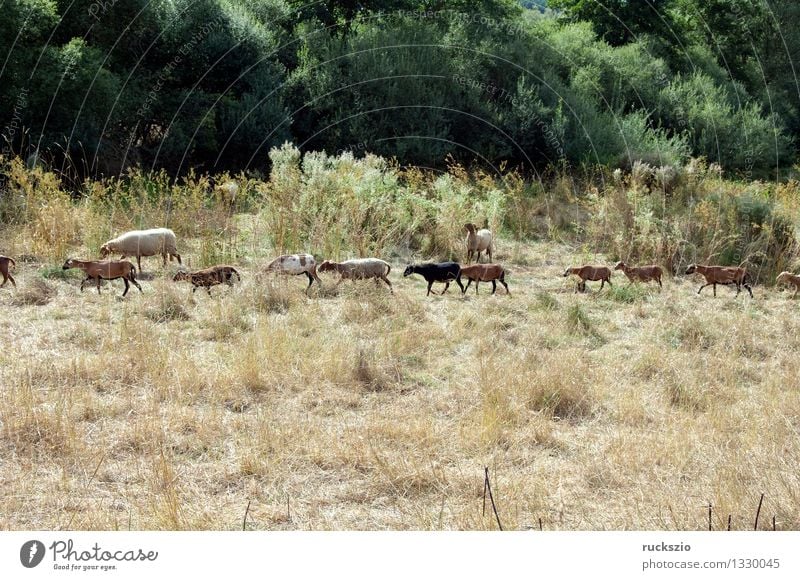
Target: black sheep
(444, 272)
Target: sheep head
(408, 271)
(619, 266)
(104, 250)
(326, 266)
(180, 276)
(691, 269)
(470, 228)
(783, 277)
(68, 264)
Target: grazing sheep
(360, 269)
(106, 270)
(642, 273)
(478, 241)
(789, 278)
(444, 272)
(592, 273)
(209, 277)
(484, 273)
(721, 275)
(4, 262)
(143, 243)
(294, 265)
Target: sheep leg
(135, 283)
(127, 287)
(429, 288)
(478, 259)
(796, 288)
(489, 252)
(389, 284)
(602, 283)
(208, 289)
(98, 284)
(446, 286)
(503, 282)
(84, 282)
(469, 281)
(139, 262)
(703, 286)
(464, 290)
(715, 290)
(659, 283)
(194, 289)
(164, 259)
(749, 290)
(310, 280)
(494, 287)
(178, 257)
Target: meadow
(352, 408)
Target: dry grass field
(356, 409)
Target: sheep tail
(13, 263)
(388, 269)
(133, 270)
(233, 271)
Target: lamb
(484, 273)
(105, 270)
(444, 272)
(360, 269)
(478, 241)
(592, 273)
(294, 265)
(721, 275)
(4, 262)
(642, 273)
(209, 277)
(789, 278)
(143, 243)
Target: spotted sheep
(359, 269)
(209, 277)
(5, 262)
(725, 275)
(295, 265)
(590, 273)
(105, 270)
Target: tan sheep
(359, 269)
(106, 270)
(484, 273)
(478, 241)
(789, 278)
(591, 273)
(641, 273)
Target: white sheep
(143, 243)
(478, 241)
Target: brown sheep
(4, 263)
(105, 270)
(591, 273)
(484, 273)
(359, 269)
(721, 275)
(478, 241)
(789, 278)
(209, 277)
(642, 273)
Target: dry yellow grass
(357, 409)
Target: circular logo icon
(31, 553)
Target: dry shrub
(35, 292)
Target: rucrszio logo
(31, 553)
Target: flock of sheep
(162, 241)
